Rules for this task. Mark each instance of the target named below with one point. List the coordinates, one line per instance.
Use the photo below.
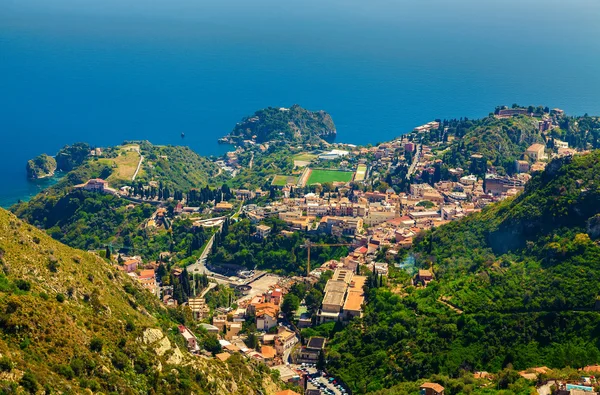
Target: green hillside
(71, 323)
(499, 141)
(295, 123)
(518, 281)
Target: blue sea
(106, 71)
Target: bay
(108, 71)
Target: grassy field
(281, 181)
(304, 157)
(361, 172)
(323, 176)
(123, 165)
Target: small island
(42, 166)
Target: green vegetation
(499, 141)
(124, 164)
(321, 176)
(519, 280)
(293, 124)
(237, 245)
(90, 333)
(281, 181)
(41, 166)
(71, 156)
(178, 168)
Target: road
(415, 162)
(138, 166)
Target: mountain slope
(70, 321)
(515, 286)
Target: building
(521, 166)
(263, 231)
(424, 276)
(431, 389)
(96, 185)
(233, 329)
(266, 320)
(223, 206)
(220, 321)
(287, 392)
(199, 308)
(148, 280)
(268, 353)
(211, 329)
(191, 341)
(310, 352)
(536, 152)
(284, 340)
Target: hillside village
(374, 201)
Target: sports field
(361, 172)
(304, 156)
(322, 176)
(281, 181)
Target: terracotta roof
(268, 352)
(354, 301)
(592, 368)
(224, 356)
(147, 273)
(287, 392)
(434, 386)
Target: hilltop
(72, 323)
(291, 124)
(499, 141)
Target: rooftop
(434, 386)
(316, 343)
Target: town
(343, 193)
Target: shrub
(53, 264)
(120, 360)
(44, 295)
(6, 364)
(60, 298)
(29, 382)
(65, 371)
(23, 285)
(96, 344)
(36, 240)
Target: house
(265, 320)
(210, 328)
(223, 206)
(268, 353)
(287, 392)
(274, 296)
(536, 152)
(224, 356)
(263, 231)
(96, 185)
(131, 265)
(220, 321)
(431, 389)
(148, 280)
(233, 328)
(285, 340)
(310, 353)
(424, 276)
(521, 166)
(191, 341)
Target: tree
(108, 253)
(290, 304)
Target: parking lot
(326, 385)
